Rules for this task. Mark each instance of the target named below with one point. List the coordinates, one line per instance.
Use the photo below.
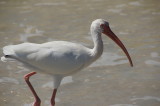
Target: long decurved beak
(107, 31)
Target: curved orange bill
(107, 31)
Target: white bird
(61, 58)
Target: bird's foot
(52, 103)
(37, 102)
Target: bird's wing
(16, 51)
(53, 56)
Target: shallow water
(110, 81)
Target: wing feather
(53, 57)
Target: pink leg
(37, 99)
(53, 97)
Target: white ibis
(61, 58)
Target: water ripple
(110, 59)
(7, 79)
(147, 98)
(123, 105)
(152, 62)
(50, 4)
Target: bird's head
(102, 26)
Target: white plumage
(61, 58)
(57, 57)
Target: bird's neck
(98, 44)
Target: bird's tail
(8, 53)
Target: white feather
(8, 50)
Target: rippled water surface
(110, 81)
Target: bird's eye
(102, 26)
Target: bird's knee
(27, 76)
